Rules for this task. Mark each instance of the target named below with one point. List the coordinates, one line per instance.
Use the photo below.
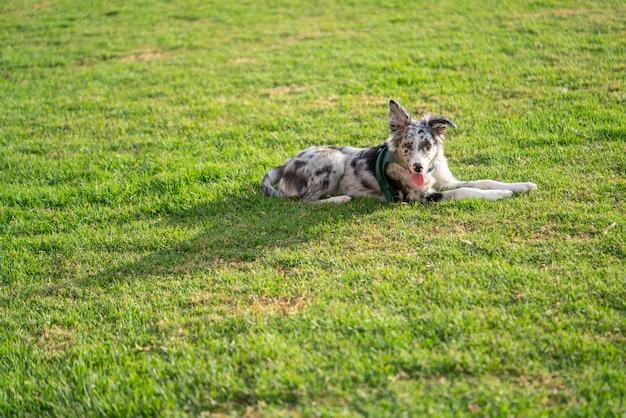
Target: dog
(409, 167)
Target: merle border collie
(409, 166)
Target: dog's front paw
(432, 197)
(524, 187)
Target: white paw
(523, 187)
(341, 199)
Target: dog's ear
(399, 118)
(438, 124)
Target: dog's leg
(471, 193)
(446, 181)
(493, 185)
(334, 199)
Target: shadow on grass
(236, 229)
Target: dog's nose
(417, 167)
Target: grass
(143, 274)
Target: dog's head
(416, 143)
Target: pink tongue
(417, 179)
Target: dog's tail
(270, 179)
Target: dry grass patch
(145, 56)
(282, 91)
(280, 305)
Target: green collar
(385, 157)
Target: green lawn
(142, 272)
